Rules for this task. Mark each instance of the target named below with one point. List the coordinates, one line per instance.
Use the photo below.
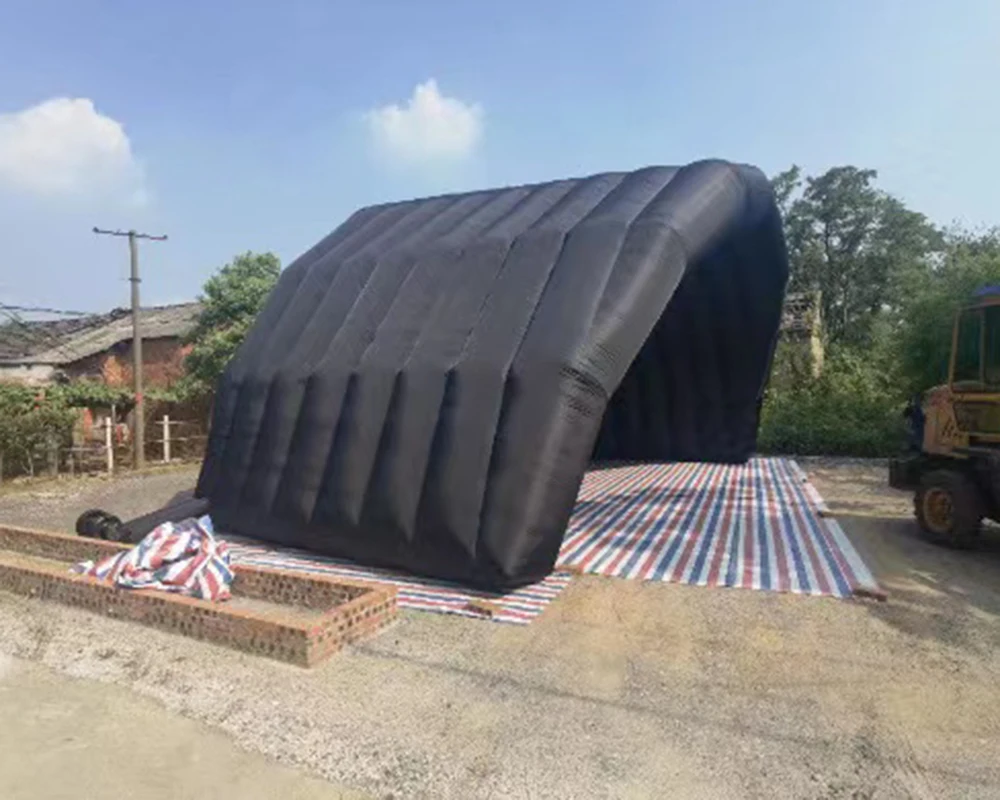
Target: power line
(40, 310)
(39, 334)
(44, 335)
(14, 321)
(40, 330)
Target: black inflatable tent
(426, 386)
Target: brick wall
(162, 360)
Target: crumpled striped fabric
(182, 557)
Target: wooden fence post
(109, 445)
(166, 439)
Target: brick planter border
(347, 610)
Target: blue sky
(235, 126)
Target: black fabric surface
(426, 386)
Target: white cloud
(428, 128)
(65, 147)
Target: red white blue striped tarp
(760, 525)
(182, 557)
(520, 606)
(756, 526)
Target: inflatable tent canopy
(425, 388)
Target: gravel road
(620, 690)
(55, 504)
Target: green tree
(230, 302)
(891, 285)
(970, 261)
(786, 185)
(860, 247)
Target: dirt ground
(857, 486)
(65, 738)
(620, 690)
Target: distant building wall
(27, 374)
(162, 359)
(162, 363)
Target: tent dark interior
(425, 387)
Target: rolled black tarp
(426, 386)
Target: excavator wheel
(949, 508)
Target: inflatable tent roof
(425, 387)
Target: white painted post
(166, 439)
(109, 445)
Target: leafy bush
(853, 408)
(86, 393)
(31, 422)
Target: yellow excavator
(953, 466)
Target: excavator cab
(954, 464)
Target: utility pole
(139, 431)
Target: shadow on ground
(935, 593)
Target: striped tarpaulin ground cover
(757, 526)
(420, 594)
